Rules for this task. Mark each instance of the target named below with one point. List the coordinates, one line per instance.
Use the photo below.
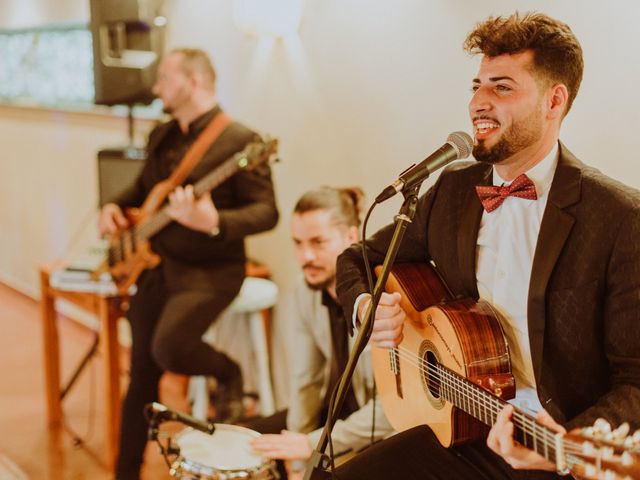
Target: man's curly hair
(557, 54)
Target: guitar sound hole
(431, 374)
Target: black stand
(81, 365)
(319, 463)
(130, 124)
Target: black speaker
(117, 169)
(128, 41)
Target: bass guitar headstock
(602, 453)
(256, 153)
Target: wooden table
(108, 309)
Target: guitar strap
(212, 131)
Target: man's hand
(284, 446)
(294, 474)
(388, 320)
(200, 214)
(501, 441)
(111, 219)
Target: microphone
(459, 145)
(164, 414)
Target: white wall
(364, 90)
(368, 88)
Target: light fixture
(275, 18)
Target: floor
(74, 452)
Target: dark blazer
(246, 203)
(584, 295)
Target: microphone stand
(319, 463)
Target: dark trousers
(166, 333)
(417, 454)
(272, 424)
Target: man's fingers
(273, 446)
(389, 299)
(506, 443)
(176, 197)
(495, 439)
(188, 193)
(120, 220)
(383, 341)
(547, 420)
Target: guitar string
(528, 424)
(547, 440)
(537, 431)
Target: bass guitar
(452, 372)
(129, 252)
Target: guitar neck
(484, 406)
(161, 219)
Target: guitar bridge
(395, 369)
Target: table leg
(109, 315)
(51, 352)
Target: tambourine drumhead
(227, 450)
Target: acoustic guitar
(452, 372)
(129, 252)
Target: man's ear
(558, 98)
(353, 234)
(196, 80)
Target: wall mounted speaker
(128, 42)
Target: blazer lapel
(468, 235)
(554, 230)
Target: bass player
(202, 252)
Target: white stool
(256, 295)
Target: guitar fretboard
(484, 406)
(157, 222)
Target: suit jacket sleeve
(621, 334)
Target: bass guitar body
(129, 255)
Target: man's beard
(517, 137)
(320, 285)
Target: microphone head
(157, 407)
(462, 143)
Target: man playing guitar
(555, 252)
(202, 252)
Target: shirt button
(500, 274)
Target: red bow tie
(493, 196)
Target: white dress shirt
(505, 247)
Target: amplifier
(117, 169)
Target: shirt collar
(541, 173)
(199, 124)
(328, 300)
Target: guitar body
(452, 372)
(462, 335)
